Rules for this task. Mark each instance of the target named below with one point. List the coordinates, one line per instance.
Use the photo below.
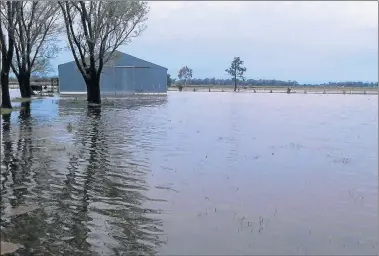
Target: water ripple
(191, 173)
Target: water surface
(192, 173)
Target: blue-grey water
(192, 173)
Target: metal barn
(122, 74)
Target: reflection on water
(192, 173)
(89, 189)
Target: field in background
(48, 86)
(281, 89)
(39, 85)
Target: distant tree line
(270, 82)
(237, 70)
(352, 84)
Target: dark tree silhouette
(7, 30)
(236, 70)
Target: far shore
(280, 89)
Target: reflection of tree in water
(16, 161)
(24, 155)
(6, 149)
(102, 201)
(18, 181)
(91, 199)
(7, 158)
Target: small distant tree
(185, 73)
(236, 70)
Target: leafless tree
(37, 30)
(7, 30)
(95, 29)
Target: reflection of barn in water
(122, 74)
(107, 159)
(74, 106)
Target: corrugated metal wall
(129, 75)
(70, 78)
(131, 80)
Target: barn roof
(120, 59)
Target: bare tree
(236, 70)
(42, 66)
(37, 29)
(7, 30)
(95, 29)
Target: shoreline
(273, 89)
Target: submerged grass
(22, 100)
(6, 111)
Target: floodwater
(192, 174)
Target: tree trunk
(22, 88)
(28, 88)
(93, 90)
(24, 83)
(25, 110)
(5, 96)
(235, 83)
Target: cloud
(294, 22)
(294, 40)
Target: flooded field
(192, 174)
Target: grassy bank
(281, 89)
(21, 100)
(7, 111)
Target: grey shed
(122, 74)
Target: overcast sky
(310, 42)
